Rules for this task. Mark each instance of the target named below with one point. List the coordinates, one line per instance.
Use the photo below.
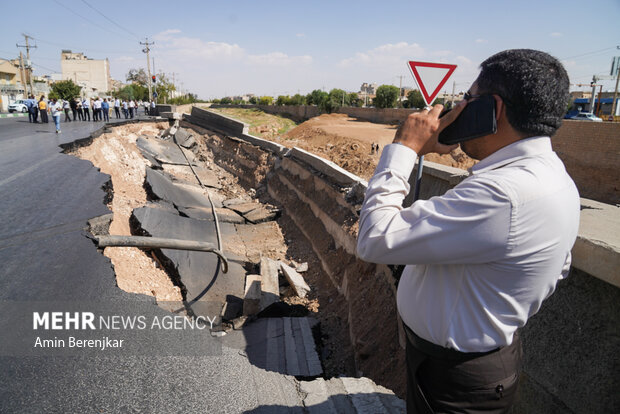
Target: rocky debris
(303, 267)
(251, 300)
(184, 138)
(269, 282)
(296, 280)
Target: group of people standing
(78, 109)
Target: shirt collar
(524, 148)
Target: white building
(92, 75)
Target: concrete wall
(304, 112)
(591, 153)
(571, 365)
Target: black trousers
(441, 380)
(86, 114)
(117, 112)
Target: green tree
(225, 101)
(414, 100)
(387, 95)
(283, 100)
(253, 100)
(265, 100)
(138, 76)
(317, 97)
(133, 92)
(355, 100)
(297, 99)
(66, 89)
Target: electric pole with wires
(28, 66)
(148, 64)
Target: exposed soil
(339, 138)
(115, 153)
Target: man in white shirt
(482, 257)
(117, 108)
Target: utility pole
(29, 77)
(594, 85)
(148, 64)
(21, 73)
(155, 84)
(400, 92)
(613, 105)
(453, 89)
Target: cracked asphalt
(46, 197)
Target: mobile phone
(476, 120)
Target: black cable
(110, 20)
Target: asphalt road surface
(46, 197)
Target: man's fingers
(436, 110)
(448, 118)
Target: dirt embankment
(339, 138)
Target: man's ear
(499, 106)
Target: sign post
(430, 77)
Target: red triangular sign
(430, 77)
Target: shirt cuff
(398, 158)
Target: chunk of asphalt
(199, 272)
(296, 280)
(261, 214)
(179, 195)
(164, 151)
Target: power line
(589, 53)
(110, 20)
(87, 19)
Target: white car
(18, 106)
(586, 116)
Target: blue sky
(219, 48)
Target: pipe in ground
(161, 243)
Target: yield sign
(430, 77)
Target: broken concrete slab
(296, 280)
(199, 272)
(164, 151)
(234, 201)
(243, 208)
(251, 300)
(302, 267)
(269, 282)
(183, 173)
(179, 195)
(261, 214)
(224, 215)
(182, 137)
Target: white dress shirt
(482, 257)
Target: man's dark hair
(533, 85)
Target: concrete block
(296, 280)
(302, 267)
(243, 208)
(265, 144)
(269, 282)
(251, 300)
(218, 122)
(329, 169)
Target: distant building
(368, 89)
(92, 75)
(11, 88)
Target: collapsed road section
(165, 184)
